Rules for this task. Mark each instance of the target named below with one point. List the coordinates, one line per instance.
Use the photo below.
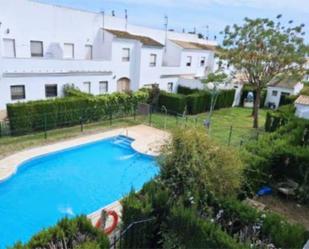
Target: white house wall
(25, 21)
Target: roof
(194, 45)
(302, 100)
(147, 41)
(284, 82)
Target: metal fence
(48, 124)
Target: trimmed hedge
(186, 90)
(278, 118)
(197, 102)
(55, 113)
(173, 102)
(75, 232)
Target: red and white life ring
(110, 229)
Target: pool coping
(147, 140)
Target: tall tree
(262, 49)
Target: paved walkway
(148, 140)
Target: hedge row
(186, 90)
(196, 102)
(75, 233)
(278, 118)
(49, 114)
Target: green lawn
(239, 118)
(223, 119)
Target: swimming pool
(74, 181)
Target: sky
(198, 14)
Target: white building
(302, 107)
(278, 88)
(43, 47)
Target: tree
(192, 166)
(212, 82)
(261, 49)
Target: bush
(278, 118)
(74, 232)
(173, 102)
(49, 114)
(194, 232)
(196, 102)
(193, 165)
(186, 90)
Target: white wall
(25, 20)
(302, 111)
(276, 99)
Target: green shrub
(198, 102)
(277, 118)
(225, 99)
(175, 103)
(49, 114)
(194, 232)
(75, 232)
(186, 90)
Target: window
(189, 61)
(88, 51)
(203, 59)
(51, 91)
(170, 86)
(125, 54)
(153, 60)
(36, 48)
(18, 92)
(87, 87)
(9, 48)
(103, 87)
(68, 51)
(274, 93)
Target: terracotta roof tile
(147, 41)
(302, 100)
(194, 45)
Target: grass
(235, 121)
(222, 120)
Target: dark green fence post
(0, 129)
(45, 126)
(110, 118)
(230, 135)
(150, 117)
(81, 125)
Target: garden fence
(79, 120)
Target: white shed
(302, 107)
(278, 88)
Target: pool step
(123, 141)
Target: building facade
(44, 47)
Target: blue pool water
(67, 183)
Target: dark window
(170, 86)
(189, 61)
(18, 92)
(51, 91)
(274, 93)
(36, 48)
(203, 59)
